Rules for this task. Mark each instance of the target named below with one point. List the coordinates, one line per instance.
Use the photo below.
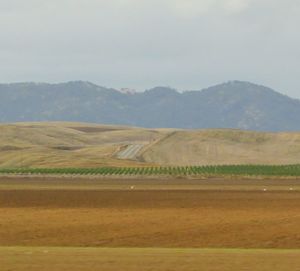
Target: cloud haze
(187, 44)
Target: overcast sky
(186, 44)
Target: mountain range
(235, 104)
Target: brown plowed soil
(150, 218)
(146, 259)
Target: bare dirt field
(136, 259)
(61, 224)
(150, 213)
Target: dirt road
(130, 152)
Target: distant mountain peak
(81, 83)
(127, 91)
(236, 84)
(162, 90)
(241, 87)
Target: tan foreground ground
(116, 259)
(94, 224)
(193, 216)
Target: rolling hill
(239, 105)
(68, 144)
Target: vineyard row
(250, 170)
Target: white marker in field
(265, 190)
(131, 187)
(291, 189)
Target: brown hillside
(68, 144)
(61, 144)
(225, 147)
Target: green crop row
(250, 170)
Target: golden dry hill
(62, 144)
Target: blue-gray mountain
(230, 105)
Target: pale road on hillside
(130, 152)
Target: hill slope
(69, 144)
(221, 146)
(231, 105)
(89, 145)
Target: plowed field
(186, 214)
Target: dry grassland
(68, 144)
(221, 146)
(89, 145)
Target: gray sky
(186, 44)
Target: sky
(185, 44)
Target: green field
(230, 170)
(136, 259)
